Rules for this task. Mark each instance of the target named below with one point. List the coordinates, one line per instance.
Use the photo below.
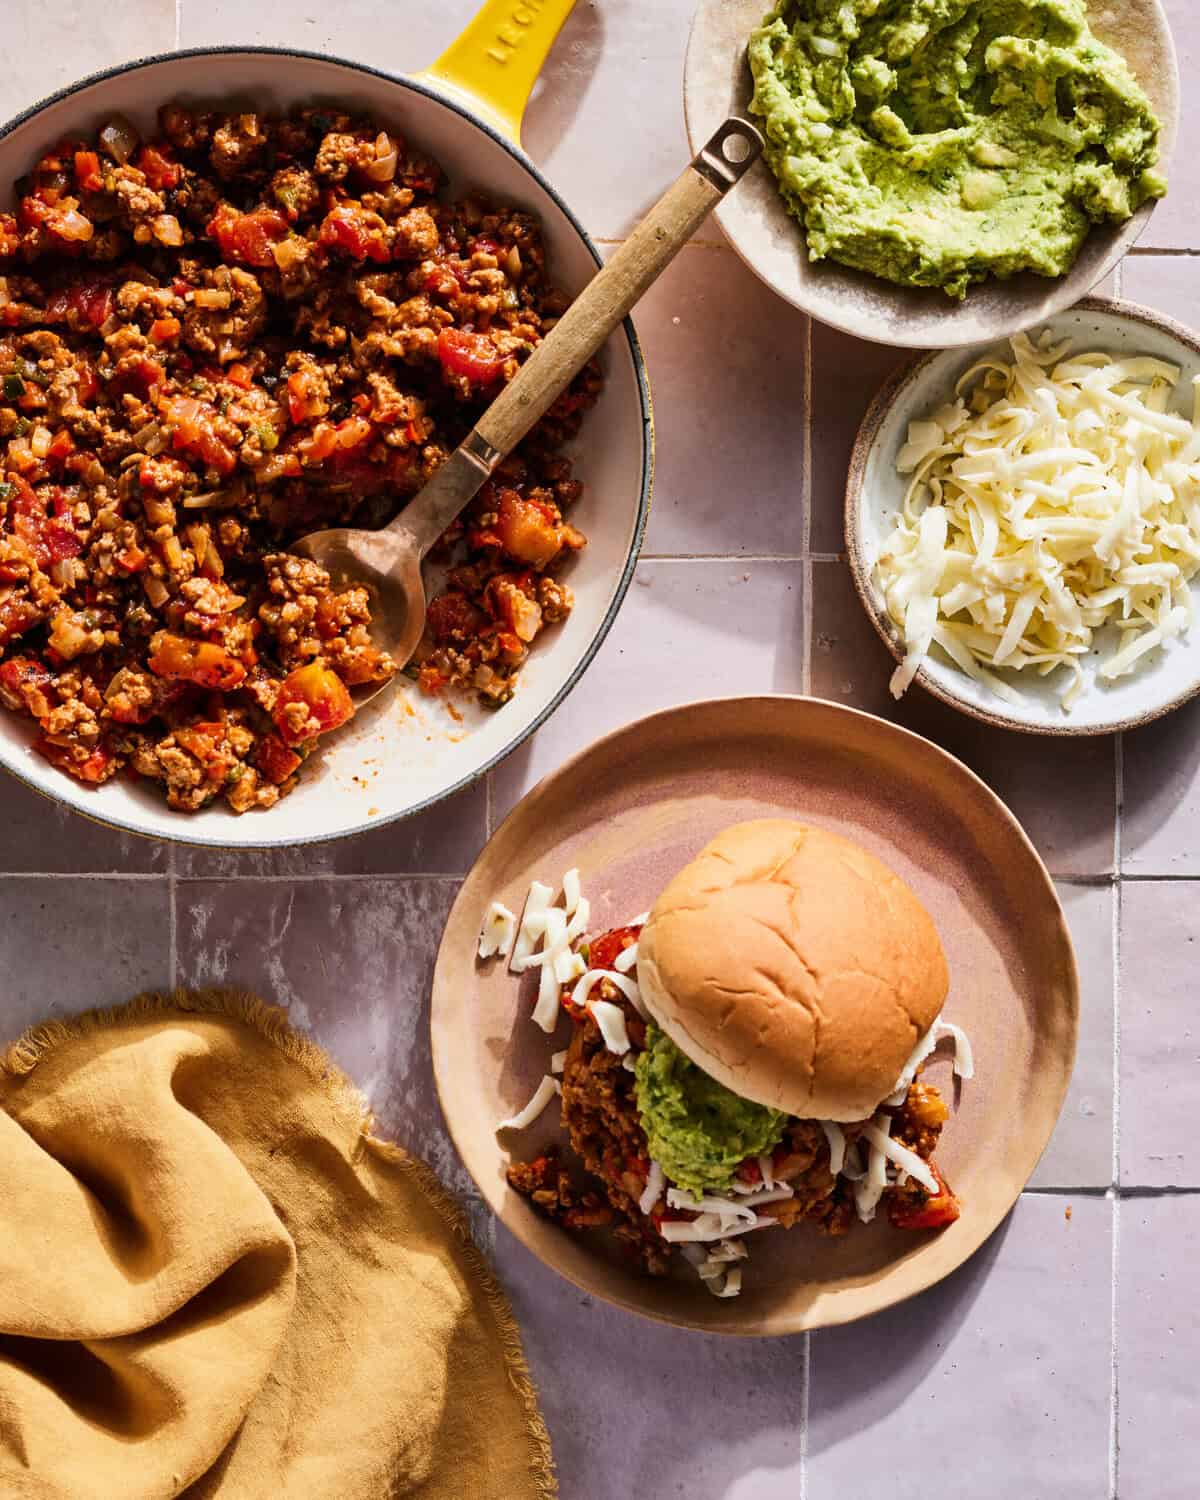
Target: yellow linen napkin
(215, 1282)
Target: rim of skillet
(196, 838)
(881, 405)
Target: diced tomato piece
(43, 523)
(304, 397)
(604, 950)
(322, 692)
(938, 1210)
(202, 662)
(193, 422)
(247, 238)
(432, 680)
(161, 172)
(749, 1171)
(471, 355)
(61, 444)
(320, 443)
(452, 616)
(88, 385)
(93, 768)
(23, 684)
(163, 330)
(131, 560)
(525, 531)
(275, 760)
(17, 615)
(87, 171)
(356, 230)
(240, 375)
(352, 431)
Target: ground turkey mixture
(600, 1113)
(211, 344)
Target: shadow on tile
(1162, 796)
(852, 1389)
(560, 92)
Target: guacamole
(699, 1132)
(939, 142)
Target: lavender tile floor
(1061, 1361)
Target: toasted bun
(794, 968)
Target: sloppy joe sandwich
(747, 1055)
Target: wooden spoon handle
(615, 289)
(582, 329)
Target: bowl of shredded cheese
(1023, 522)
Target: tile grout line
(806, 1381)
(1114, 1436)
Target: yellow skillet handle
(492, 67)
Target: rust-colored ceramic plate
(629, 812)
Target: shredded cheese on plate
(1057, 495)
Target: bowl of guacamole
(938, 172)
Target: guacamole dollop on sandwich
(939, 142)
(698, 1130)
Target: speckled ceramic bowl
(402, 753)
(717, 83)
(630, 811)
(1161, 681)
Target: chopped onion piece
(766, 1168)
(654, 1188)
(732, 1285)
(546, 1091)
(558, 1061)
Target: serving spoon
(387, 562)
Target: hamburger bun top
(793, 967)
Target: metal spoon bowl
(388, 562)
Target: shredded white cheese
(836, 1137)
(707, 1228)
(546, 1091)
(654, 1188)
(571, 891)
(1055, 496)
(910, 1163)
(626, 959)
(498, 933)
(627, 986)
(558, 1061)
(610, 1019)
(964, 1064)
(869, 1190)
(530, 930)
